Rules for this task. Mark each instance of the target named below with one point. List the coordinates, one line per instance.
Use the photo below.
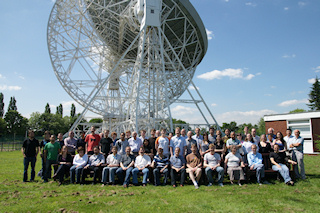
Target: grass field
(16, 196)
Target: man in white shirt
(197, 136)
(141, 164)
(288, 139)
(135, 143)
(255, 137)
(143, 135)
(297, 154)
(113, 163)
(178, 141)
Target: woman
(280, 141)
(239, 137)
(79, 161)
(246, 146)
(220, 146)
(148, 149)
(227, 135)
(203, 146)
(264, 146)
(64, 160)
(233, 160)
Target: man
(51, 151)
(128, 134)
(163, 142)
(113, 163)
(152, 140)
(135, 143)
(194, 166)
(114, 138)
(197, 137)
(143, 135)
(189, 142)
(255, 137)
(30, 150)
(141, 164)
(211, 136)
(288, 139)
(81, 141)
(178, 141)
(94, 164)
(270, 132)
(158, 133)
(106, 143)
(212, 162)
(71, 143)
(60, 139)
(92, 140)
(178, 166)
(233, 141)
(126, 165)
(245, 132)
(297, 154)
(183, 134)
(255, 163)
(160, 164)
(42, 145)
(122, 144)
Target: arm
(22, 150)
(171, 151)
(274, 163)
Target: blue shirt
(299, 140)
(177, 162)
(254, 158)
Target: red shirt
(92, 140)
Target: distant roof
(292, 116)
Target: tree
(60, 110)
(232, 126)
(73, 111)
(314, 96)
(3, 126)
(96, 120)
(12, 104)
(297, 110)
(16, 123)
(249, 125)
(1, 105)
(47, 109)
(261, 127)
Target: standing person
(211, 136)
(255, 137)
(114, 138)
(178, 166)
(106, 143)
(71, 143)
(79, 161)
(194, 166)
(92, 140)
(264, 146)
(126, 166)
(160, 164)
(94, 163)
(288, 139)
(128, 134)
(227, 135)
(81, 141)
(203, 145)
(183, 134)
(142, 164)
(163, 142)
(198, 137)
(113, 163)
(212, 163)
(51, 151)
(60, 139)
(220, 147)
(42, 145)
(233, 141)
(178, 141)
(152, 140)
(245, 132)
(64, 161)
(246, 146)
(158, 133)
(255, 163)
(122, 144)
(297, 154)
(143, 135)
(30, 150)
(235, 163)
(189, 142)
(135, 143)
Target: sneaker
(220, 184)
(125, 186)
(174, 186)
(196, 187)
(239, 184)
(260, 184)
(265, 182)
(210, 184)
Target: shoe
(291, 183)
(125, 186)
(210, 184)
(174, 186)
(181, 185)
(220, 184)
(239, 184)
(144, 185)
(102, 185)
(265, 182)
(260, 184)
(196, 187)
(60, 183)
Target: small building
(307, 122)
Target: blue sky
(262, 58)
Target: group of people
(111, 158)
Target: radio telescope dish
(127, 61)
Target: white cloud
(10, 88)
(180, 110)
(301, 3)
(289, 56)
(268, 95)
(226, 0)
(286, 8)
(273, 87)
(251, 4)
(316, 69)
(2, 77)
(231, 73)
(293, 102)
(19, 75)
(214, 105)
(312, 80)
(192, 88)
(209, 34)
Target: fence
(12, 143)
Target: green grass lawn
(16, 196)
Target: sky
(262, 58)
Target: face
(253, 132)
(143, 133)
(52, 138)
(122, 136)
(254, 149)
(232, 135)
(141, 151)
(227, 132)
(64, 149)
(263, 138)
(160, 151)
(233, 150)
(153, 132)
(163, 132)
(128, 149)
(183, 132)
(218, 137)
(60, 136)
(96, 151)
(211, 131)
(270, 131)
(114, 150)
(297, 133)
(81, 153)
(197, 131)
(82, 134)
(189, 134)
(31, 134)
(146, 142)
(47, 136)
(134, 134)
(218, 132)
(128, 134)
(194, 149)
(249, 137)
(106, 133)
(288, 132)
(270, 138)
(170, 135)
(278, 135)
(177, 131)
(239, 137)
(177, 151)
(157, 133)
(93, 129)
(71, 134)
(276, 148)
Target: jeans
(259, 171)
(156, 174)
(174, 174)
(135, 172)
(61, 171)
(111, 172)
(297, 156)
(120, 172)
(96, 173)
(77, 172)
(49, 163)
(43, 167)
(26, 162)
(209, 173)
(284, 172)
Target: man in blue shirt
(297, 154)
(255, 163)
(178, 166)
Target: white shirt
(178, 142)
(198, 138)
(80, 161)
(113, 159)
(289, 140)
(135, 144)
(256, 139)
(246, 146)
(142, 161)
(163, 142)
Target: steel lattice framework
(129, 73)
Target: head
(170, 135)
(143, 133)
(128, 150)
(134, 135)
(82, 134)
(233, 149)
(212, 148)
(31, 134)
(141, 151)
(47, 135)
(218, 132)
(276, 148)
(246, 129)
(163, 132)
(160, 151)
(81, 151)
(205, 136)
(71, 134)
(279, 135)
(153, 132)
(263, 138)
(194, 148)
(270, 131)
(96, 150)
(60, 136)
(52, 138)
(227, 132)
(197, 131)
(145, 142)
(296, 133)
(106, 133)
(183, 132)
(177, 151)
(157, 133)
(288, 132)
(93, 129)
(253, 132)
(211, 131)
(270, 138)
(249, 137)
(122, 136)
(64, 150)
(178, 131)
(128, 134)
(239, 136)
(114, 150)
(254, 148)
(218, 138)
(189, 134)
(114, 135)
(233, 135)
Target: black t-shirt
(152, 143)
(279, 157)
(81, 142)
(30, 147)
(266, 149)
(147, 149)
(219, 145)
(61, 143)
(105, 145)
(68, 159)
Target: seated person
(126, 166)
(194, 165)
(141, 164)
(94, 164)
(147, 147)
(189, 142)
(235, 163)
(264, 146)
(212, 162)
(113, 163)
(178, 166)
(278, 159)
(79, 161)
(255, 163)
(64, 162)
(160, 164)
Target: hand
(212, 167)
(125, 169)
(161, 171)
(278, 166)
(86, 167)
(251, 168)
(24, 155)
